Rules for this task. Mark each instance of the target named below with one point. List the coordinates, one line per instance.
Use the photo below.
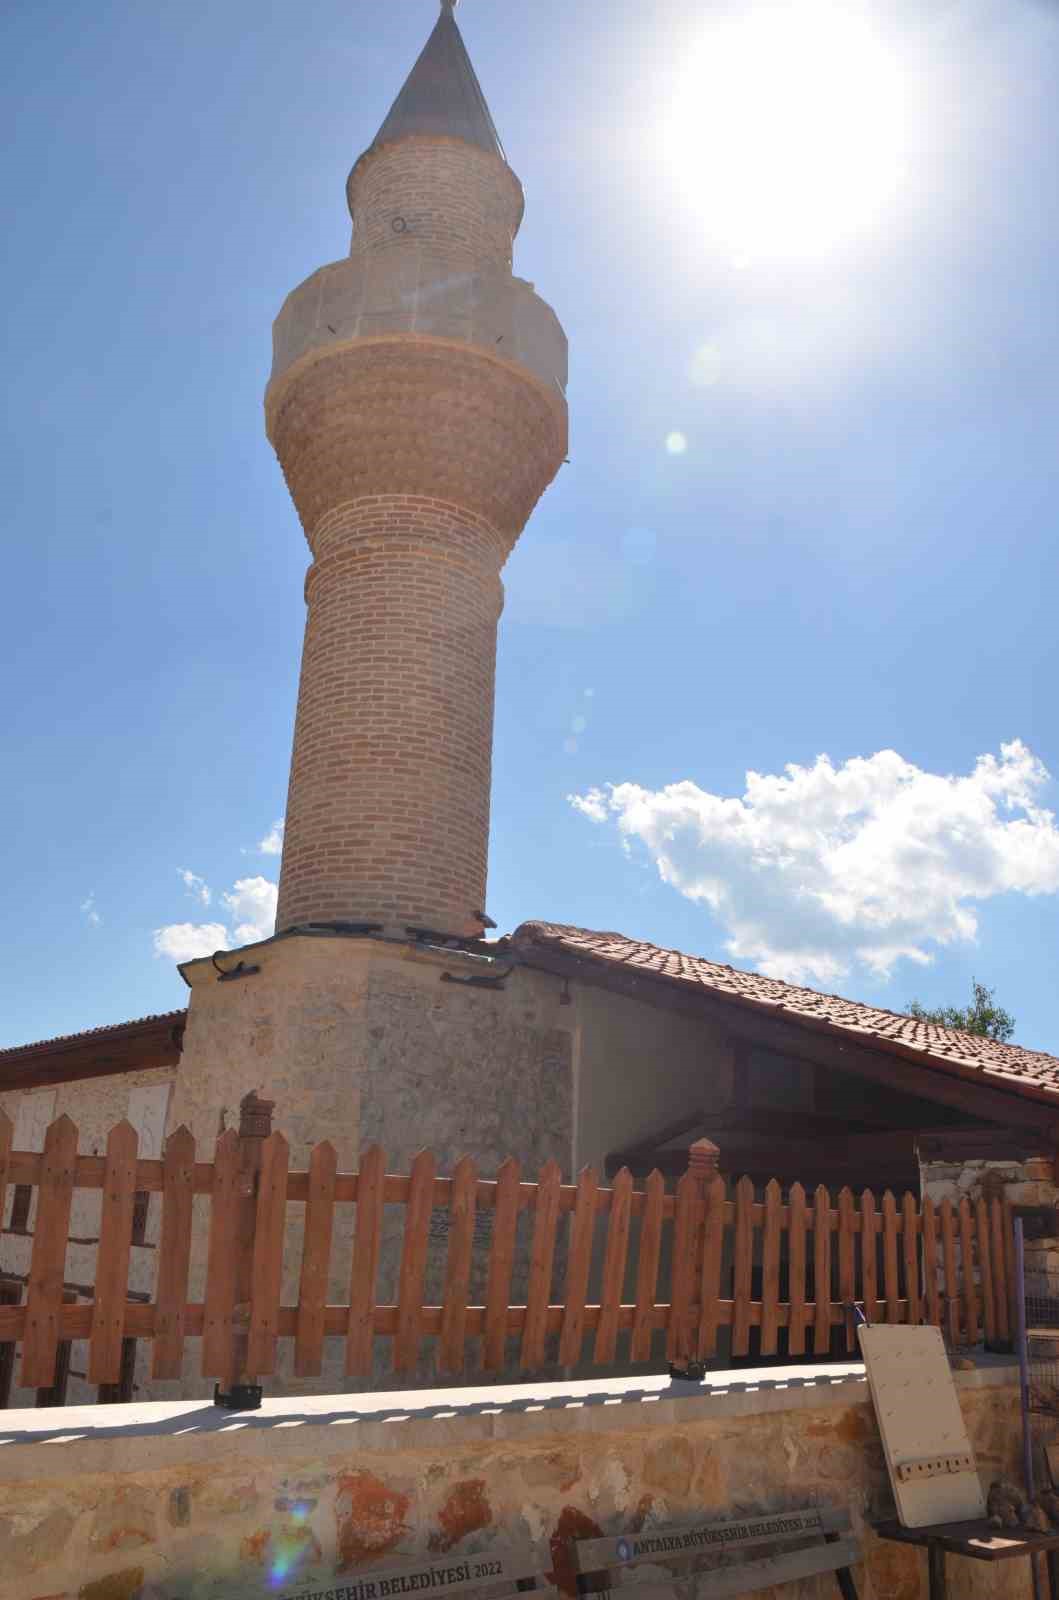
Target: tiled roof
(93, 1036)
(1006, 1066)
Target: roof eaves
(91, 1037)
(545, 937)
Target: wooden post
(648, 1252)
(54, 1394)
(10, 1295)
(703, 1164)
(255, 1126)
(360, 1332)
(704, 1160)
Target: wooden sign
(733, 1533)
(441, 1577)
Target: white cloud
(197, 887)
(89, 912)
(183, 941)
(594, 805)
(272, 843)
(822, 868)
(252, 907)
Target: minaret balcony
(369, 298)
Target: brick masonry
(462, 203)
(414, 461)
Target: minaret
(417, 407)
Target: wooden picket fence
(606, 1275)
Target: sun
(789, 129)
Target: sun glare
(789, 128)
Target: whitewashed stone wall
(94, 1105)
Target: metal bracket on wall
(240, 1397)
(240, 970)
(435, 936)
(479, 980)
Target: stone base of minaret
(362, 1041)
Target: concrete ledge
(163, 1433)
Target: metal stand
(240, 1397)
(979, 1541)
(1024, 1395)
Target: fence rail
(570, 1274)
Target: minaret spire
(441, 97)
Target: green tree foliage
(982, 1016)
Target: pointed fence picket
(452, 1352)
(501, 1264)
(44, 1295)
(316, 1260)
(567, 1275)
(712, 1258)
(367, 1244)
(542, 1258)
(7, 1137)
(174, 1255)
(799, 1311)
(614, 1260)
(650, 1249)
(112, 1262)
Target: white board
(929, 1456)
(148, 1106)
(35, 1113)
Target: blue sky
(808, 280)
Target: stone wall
(180, 1502)
(94, 1105)
(362, 1041)
(1022, 1183)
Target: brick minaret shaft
(417, 408)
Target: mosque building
(417, 407)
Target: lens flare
(705, 366)
(676, 443)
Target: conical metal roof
(442, 95)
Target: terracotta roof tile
(93, 1035)
(1027, 1072)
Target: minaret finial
(449, 5)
